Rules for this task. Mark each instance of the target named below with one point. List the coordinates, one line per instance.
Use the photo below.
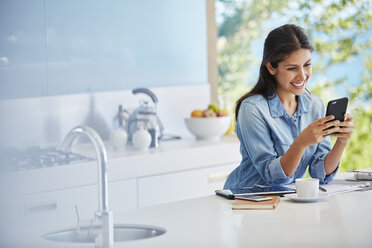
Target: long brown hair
(279, 44)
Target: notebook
(255, 190)
(238, 204)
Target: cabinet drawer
(58, 207)
(182, 185)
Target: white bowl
(208, 128)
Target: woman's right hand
(315, 133)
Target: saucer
(295, 198)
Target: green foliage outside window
(340, 31)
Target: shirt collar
(277, 109)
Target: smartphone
(226, 193)
(337, 108)
(256, 198)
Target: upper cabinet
(23, 71)
(75, 46)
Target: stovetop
(13, 159)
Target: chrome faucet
(105, 216)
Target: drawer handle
(218, 177)
(40, 208)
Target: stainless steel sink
(121, 233)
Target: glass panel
(22, 49)
(77, 46)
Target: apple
(209, 113)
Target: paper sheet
(334, 189)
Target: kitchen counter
(171, 156)
(343, 220)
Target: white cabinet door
(58, 207)
(123, 195)
(182, 185)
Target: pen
(322, 189)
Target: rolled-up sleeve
(258, 144)
(317, 166)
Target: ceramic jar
(141, 139)
(119, 139)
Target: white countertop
(343, 220)
(171, 156)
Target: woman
(280, 125)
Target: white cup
(307, 187)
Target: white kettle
(147, 114)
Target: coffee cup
(307, 187)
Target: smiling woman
(291, 77)
(281, 126)
(341, 63)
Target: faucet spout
(103, 209)
(101, 152)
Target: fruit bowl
(211, 128)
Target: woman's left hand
(346, 129)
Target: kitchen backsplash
(45, 121)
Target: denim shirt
(266, 131)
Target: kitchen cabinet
(44, 53)
(123, 195)
(59, 206)
(182, 185)
(175, 171)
